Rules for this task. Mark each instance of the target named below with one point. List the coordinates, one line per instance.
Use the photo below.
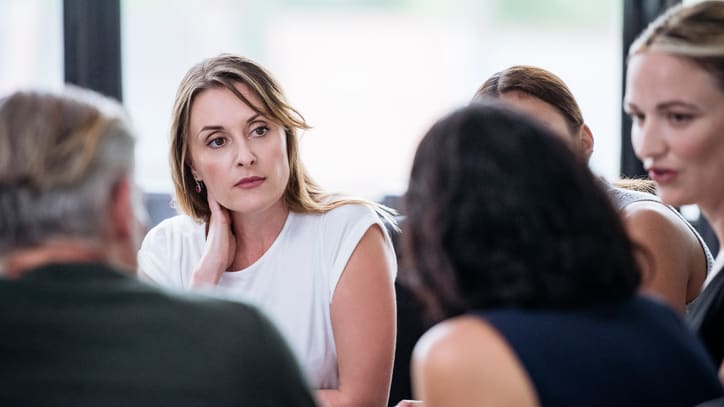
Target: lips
(250, 182)
(662, 175)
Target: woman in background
(675, 96)
(257, 228)
(536, 280)
(679, 259)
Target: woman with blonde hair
(675, 96)
(256, 227)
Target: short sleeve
(154, 264)
(342, 229)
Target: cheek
(699, 145)
(209, 166)
(281, 158)
(282, 167)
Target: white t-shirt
(293, 282)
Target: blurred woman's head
(675, 96)
(543, 95)
(500, 213)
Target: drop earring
(198, 186)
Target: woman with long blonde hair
(256, 227)
(675, 96)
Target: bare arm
(465, 362)
(672, 262)
(363, 321)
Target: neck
(23, 260)
(255, 233)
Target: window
(31, 44)
(370, 76)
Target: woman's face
(677, 110)
(580, 142)
(240, 155)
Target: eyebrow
(209, 128)
(216, 127)
(663, 106)
(676, 103)
(253, 118)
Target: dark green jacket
(86, 335)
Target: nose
(647, 139)
(245, 156)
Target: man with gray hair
(76, 328)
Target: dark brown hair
(535, 82)
(484, 231)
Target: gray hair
(61, 155)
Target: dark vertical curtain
(637, 14)
(92, 45)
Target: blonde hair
(61, 155)
(302, 193)
(636, 184)
(694, 31)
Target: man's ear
(120, 210)
(585, 137)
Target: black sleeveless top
(706, 317)
(629, 353)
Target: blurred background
(370, 76)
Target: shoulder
(441, 346)
(349, 221)
(661, 230)
(351, 213)
(652, 219)
(465, 360)
(167, 250)
(175, 228)
(181, 223)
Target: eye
(636, 118)
(216, 142)
(259, 131)
(679, 118)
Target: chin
(673, 197)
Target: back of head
(60, 157)
(694, 31)
(536, 82)
(501, 214)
